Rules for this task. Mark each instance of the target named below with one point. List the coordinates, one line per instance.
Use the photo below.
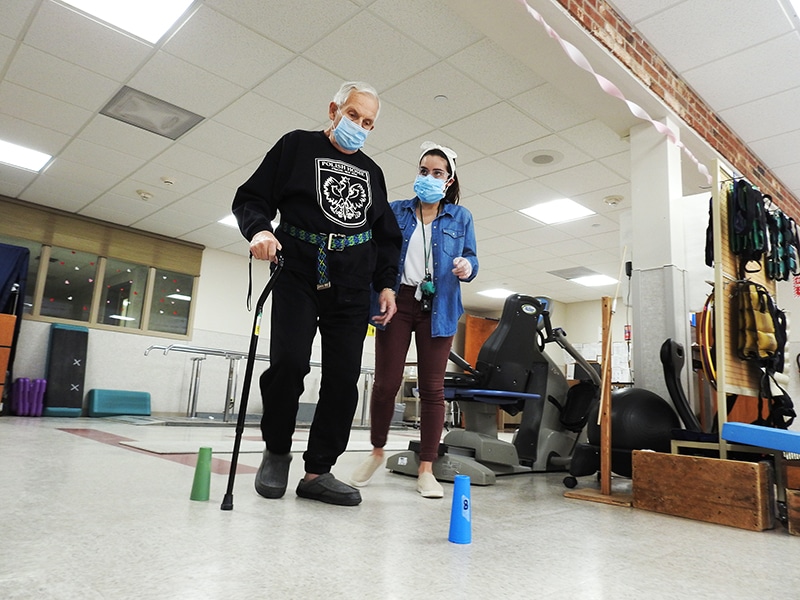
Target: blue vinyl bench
(109, 403)
(763, 437)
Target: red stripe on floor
(218, 465)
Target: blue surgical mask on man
(429, 189)
(349, 135)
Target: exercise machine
(512, 372)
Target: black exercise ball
(640, 420)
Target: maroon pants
(391, 347)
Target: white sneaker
(429, 487)
(366, 470)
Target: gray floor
(89, 512)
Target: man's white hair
(348, 87)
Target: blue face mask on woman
(349, 135)
(429, 189)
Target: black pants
(298, 309)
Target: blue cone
(461, 512)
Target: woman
(438, 253)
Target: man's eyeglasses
(437, 173)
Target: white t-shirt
(414, 266)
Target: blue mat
(764, 437)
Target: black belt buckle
(331, 239)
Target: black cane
(227, 501)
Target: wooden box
(792, 474)
(793, 511)
(727, 492)
(7, 323)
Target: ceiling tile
(551, 108)
(488, 174)
(221, 141)
(489, 65)
(764, 117)
(42, 110)
(32, 136)
(13, 16)
(115, 208)
(41, 72)
(255, 115)
(171, 223)
(385, 44)
(522, 195)
(217, 236)
(110, 133)
(566, 155)
(105, 159)
(482, 207)
(74, 38)
(197, 163)
(596, 139)
(429, 24)
(82, 173)
(700, 31)
(741, 77)
(636, 10)
(178, 82)
(60, 193)
(279, 20)
(581, 179)
(304, 87)
(463, 95)
(779, 150)
(228, 49)
(497, 128)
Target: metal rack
(233, 357)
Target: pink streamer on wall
(612, 90)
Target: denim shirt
(453, 235)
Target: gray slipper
(273, 474)
(326, 488)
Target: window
(105, 276)
(35, 250)
(170, 303)
(123, 293)
(69, 284)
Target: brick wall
(605, 25)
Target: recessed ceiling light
(22, 157)
(150, 113)
(557, 211)
(180, 297)
(595, 280)
(543, 158)
(496, 293)
(146, 19)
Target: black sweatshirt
(321, 190)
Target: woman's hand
(462, 267)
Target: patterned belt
(335, 242)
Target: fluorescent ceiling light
(496, 293)
(595, 280)
(230, 221)
(150, 113)
(146, 19)
(22, 157)
(557, 211)
(180, 297)
(121, 318)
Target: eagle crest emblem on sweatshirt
(343, 192)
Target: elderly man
(337, 236)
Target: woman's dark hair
(453, 192)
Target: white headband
(450, 154)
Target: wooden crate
(792, 474)
(727, 492)
(793, 511)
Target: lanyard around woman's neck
(426, 249)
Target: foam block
(107, 403)
(764, 437)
